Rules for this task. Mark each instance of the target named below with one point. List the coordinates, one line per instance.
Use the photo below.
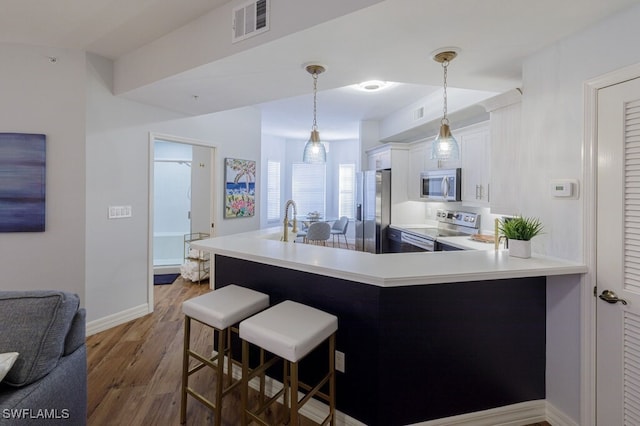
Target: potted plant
(519, 232)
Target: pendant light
(314, 151)
(445, 146)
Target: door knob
(610, 297)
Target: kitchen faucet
(285, 235)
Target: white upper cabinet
(505, 127)
(475, 153)
(475, 161)
(419, 161)
(379, 158)
(440, 164)
(394, 156)
(418, 154)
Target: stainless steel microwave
(441, 185)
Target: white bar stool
(289, 330)
(220, 310)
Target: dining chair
(302, 232)
(340, 228)
(318, 233)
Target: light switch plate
(119, 212)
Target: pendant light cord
(445, 120)
(315, 105)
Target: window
(308, 187)
(273, 191)
(347, 190)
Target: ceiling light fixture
(373, 85)
(314, 151)
(445, 146)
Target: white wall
(37, 96)
(273, 149)
(117, 174)
(341, 151)
(553, 123)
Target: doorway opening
(171, 203)
(181, 200)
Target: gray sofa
(47, 384)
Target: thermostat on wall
(564, 188)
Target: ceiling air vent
(250, 19)
(418, 113)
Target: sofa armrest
(61, 395)
(77, 333)
(39, 324)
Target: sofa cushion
(36, 324)
(6, 362)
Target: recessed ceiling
(339, 110)
(390, 41)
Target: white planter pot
(520, 248)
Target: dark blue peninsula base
(416, 353)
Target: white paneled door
(618, 255)
(202, 190)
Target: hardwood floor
(135, 368)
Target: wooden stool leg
(222, 338)
(262, 379)
(229, 358)
(245, 383)
(294, 393)
(185, 369)
(332, 379)
(286, 383)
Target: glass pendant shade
(314, 151)
(445, 146)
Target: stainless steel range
(451, 223)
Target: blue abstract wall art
(22, 182)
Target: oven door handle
(423, 243)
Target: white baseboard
(510, 415)
(118, 318)
(520, 414)
(557, 417)
(166, 269)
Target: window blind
(273, 191)
(347, 190)
(308, 187)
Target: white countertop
(385, 270)
(466, 243)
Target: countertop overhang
(385, 270)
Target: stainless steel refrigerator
(373, 210)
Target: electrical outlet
(340, 361)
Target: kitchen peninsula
(425, 335)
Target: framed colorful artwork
(240, 188)
(22, 182)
